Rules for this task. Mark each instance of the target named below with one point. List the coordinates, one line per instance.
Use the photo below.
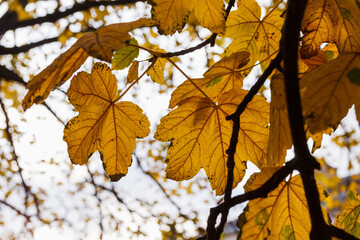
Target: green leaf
(124, 56)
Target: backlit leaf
(283, 214)
(103, 42)
(221, 77)
(327, 54)
(251, 33)
(200, 136)
(133, 72)
(102, 124)
(124, 56)
(210, 14)
(280, 135)
(58, 72)
(349, 219)
(329, 92)
(170, 15)
(335, 21)
(99, 44)
(156, 72)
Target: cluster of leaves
(214, 123)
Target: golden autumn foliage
(200, 125)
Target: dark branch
(27, 47)
(10, 75)
(99, 200)
(340, 233)
(210, 40)
(271, 184)
(27, 217)
(9, 137)
(235, 117)
(9, 21)
(305, 162)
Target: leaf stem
(133, 83)
(192, 82)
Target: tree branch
(27, 47)
(235, 117)
(16, 159)
(340, 233)
(9, 22)
(27, 217)
(99, 200)
(271, 184)
(306, 163)
(10, 75)
(210, 40)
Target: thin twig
(15, 158)
(271, 184)
(235, 117)
(96, 195)
(162, 189)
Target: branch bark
(10, 21)
(27, 47)
(305, 162)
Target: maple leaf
(99, 44)
(348, 219)
(125, 56)
(103, 124)
(330, 92)
(156, 71)
(330, 21)
(327, 54)
(172, 15)
(280, 135)
(259, 37)
(133, 72)
(210, 14)
(200, 136)
(283, 214)
(221, 77)
(60, 70)
(104, 41)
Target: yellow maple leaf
(133, 73)
(280, 135)
(172, 15)
(330, 91)
(156, 71)
(348, 219)
(283, 214)
(104, 41)
(221, 77)
(210, 14)
(103, 124)
(58, 72)
(335, 21)
(99, 44)
(200, 136)
(259, 37)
